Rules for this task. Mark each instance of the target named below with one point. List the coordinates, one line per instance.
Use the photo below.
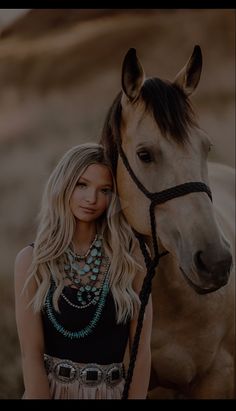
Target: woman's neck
(83, 236)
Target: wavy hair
(56, 228)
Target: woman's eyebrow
(85, 179)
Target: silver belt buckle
(91, 375)
(114, 375)
(65, 371)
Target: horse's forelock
(170, 107)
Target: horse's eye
(145, 156)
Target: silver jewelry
(82, 257)
(88, 266)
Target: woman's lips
(88, 210)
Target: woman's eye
(145, 156)
(106, 191)
(81, 185)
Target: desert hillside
(59, 72)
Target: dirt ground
(58, 76)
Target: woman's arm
(140, 381)
(30, 331)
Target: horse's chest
(181, 351)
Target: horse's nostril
(198, 262)
(217, 269)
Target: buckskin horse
(159, 154)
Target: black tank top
(105, 345)
(107, 342)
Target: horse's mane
(169, 105)
(111, 131)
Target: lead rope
(145, 292)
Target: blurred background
(59, 72)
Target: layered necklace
(88, 274)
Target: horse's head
(164, 147)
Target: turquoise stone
(93, 277)
(98, 243)
(97, 262)
(81, 272)
(87, 288)
(89, 260)
(95, 270)
(94, 252)
(86, 268)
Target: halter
(151, 263)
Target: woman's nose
(91, 196)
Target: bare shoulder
(23, 261)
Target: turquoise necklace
(94, 291)
(88, 328)
(85, 272)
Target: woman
(77, 287)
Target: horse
(155, 145)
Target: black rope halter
(151, 263)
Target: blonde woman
(77, 287)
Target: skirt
(72, 380)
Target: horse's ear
(132, 75)
(188, 78)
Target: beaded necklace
(89, 327)
(87, 293)
(86, 272)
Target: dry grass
(56, 87)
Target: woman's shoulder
(22, 273)
(23, 260)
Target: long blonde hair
(56, 228)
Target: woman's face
(92, 193)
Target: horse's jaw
(199, 288)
